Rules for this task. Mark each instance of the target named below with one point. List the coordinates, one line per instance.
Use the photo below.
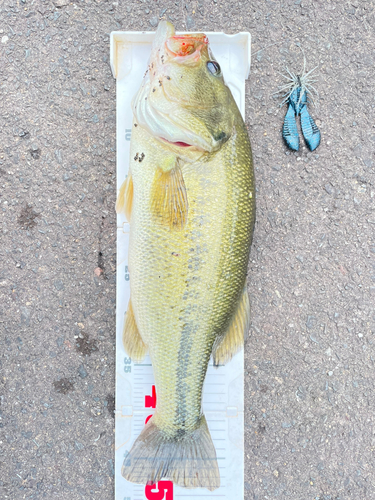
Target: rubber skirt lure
(298, 88)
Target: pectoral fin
(125, 198)
(131, 338)
(169, 200)
(233, 339)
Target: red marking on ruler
(163, 490)
(150, 401)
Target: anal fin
(169, 201)
(233, 339)
(125, 198)
(131, 338)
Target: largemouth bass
(190, 200)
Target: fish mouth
(179, 144)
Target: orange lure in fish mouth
(186, 46)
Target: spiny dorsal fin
(131, 338)
(169, 202)
(125, 198)
(233, 339)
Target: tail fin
(188, 460)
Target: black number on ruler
(126, 273)
(127, 134)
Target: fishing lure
(298, 89)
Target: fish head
(183, 100)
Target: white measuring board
(135, 390)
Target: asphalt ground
(309, 398)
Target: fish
(189, 197)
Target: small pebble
(60, 3)
(190, 23)
(82, 372)
(154, 22)
(59, 285)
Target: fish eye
(214, 68)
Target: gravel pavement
(309, 397)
